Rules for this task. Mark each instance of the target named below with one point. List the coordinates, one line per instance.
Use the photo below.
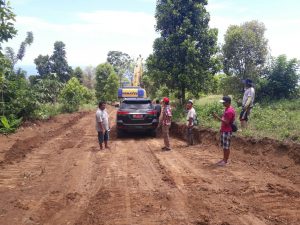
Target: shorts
(244, 116)
(225, 140)
(103, 137)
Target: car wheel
(153, 133)
(120, 133)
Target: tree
(59, 64)
(111, 87)
(7, 31)
(78, 73)
(245, 50)
(121, 63)
(43, 65)
(88, 79)
(184, 54)
(103, 72)
(283, 78)
(47, 90)
(7, 17)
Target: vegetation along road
(53, 173)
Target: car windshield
(136, 105)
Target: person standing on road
(247, 103)
(191, 119)
(227, 120)
(165, 123)
(157, 107)
(102, 125)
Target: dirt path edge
(262, 146)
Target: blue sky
(91, 28)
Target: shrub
(9, 125)
(74, 94)
(19, 98)
(45, 111)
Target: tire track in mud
(40, 160)
(21, 148)
(80, 182)
(213, 191)
(135, 183)
(57, 188)
(142, 189)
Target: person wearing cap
(226, 120)
(247, 103)
(191, 118)
(165, 123)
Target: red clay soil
(253, 146)
(54, 173)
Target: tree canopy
(59, 63)
(7, 17)
(120, 61)
(78, 73)
(245, 50)
(56, 63)
(184, 53)
(12, 56)
(106, 83)
(282, 79)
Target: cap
(190, 101)
(247, 81)
(166, 100)
(226, 99)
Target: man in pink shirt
(227, 120)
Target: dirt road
(52, 173)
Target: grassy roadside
(279, 120)
(47, 111)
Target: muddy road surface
(53, 173)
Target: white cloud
(216, 6)
(89, 40)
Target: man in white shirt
(248, 100)
(102, 125)
(191, 119)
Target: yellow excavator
(134, 91)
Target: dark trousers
(190, 136)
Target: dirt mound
(264, 146)
(21, 148)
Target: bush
(9, 125)
(205, 114)
(19, 98)
(47, 90)
(45, 111)
(74, 94)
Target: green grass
(88, 107)
(279, 120)
(208, 99)
(45, 111)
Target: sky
(91, 28)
